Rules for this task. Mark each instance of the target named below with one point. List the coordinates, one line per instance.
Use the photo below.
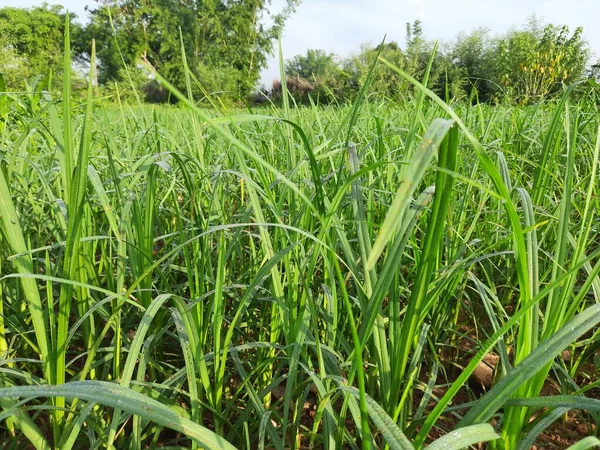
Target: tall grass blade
(586, 443)
(75, 207)
(414, 173)
(393, 436)
(128, 400)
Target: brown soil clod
(485, 373)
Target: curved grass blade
(134, 352)
(23, 263)
(489, 344)
(236, 143)
(358, 363)
(539, 427)
(557, 401)
(465, 437)
(496, 178)
(362, 93)
(125, 399)
(23, 422)
(417, 114)
(394, 437)
(544, 169)
(314, 166)
(70, 439)
(414, 173)
(75, 207)
(586, 443)
(432, 248)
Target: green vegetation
(226, 44)
(297, 276)
(31, 43)
(524, 65)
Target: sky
(341, 26)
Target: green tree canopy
(314, 64)
(31, 42)
(473, 54)
(525, 64)
(532, 62)
(226, 38)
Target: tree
(341, 82)
(314, 65)
(473, 54)
(445, 78)
(226, 36)
(534, 62)
(418, 50)
(316, 72)
(385, 84)
(31, 43)
(414, 34)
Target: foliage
(532, 63)
(474, 54)
(226, 45)
(383, 84)
(315, 65)
(229, 38)
(162, 269)
(342, 81)
(594, 72)
(524, 65)
(31, 42)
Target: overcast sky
(340, 26)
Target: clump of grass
(291, 277)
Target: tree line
(226, 45)
(525, 64)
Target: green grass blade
(22, 421)
(540, 425)
(75, 208)
(358, 364)
(13, 237)
(586, 443)
(558, 401)
(362, 94)
(429, 261)
(393, 436)
(67, 146)
(70, 439)
(128, 400)
(465, 437)
(544, 169)
(491, 342)
(414, 173)
(491, 170)
(418, 107)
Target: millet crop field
(374, 275)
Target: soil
(563, 433)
